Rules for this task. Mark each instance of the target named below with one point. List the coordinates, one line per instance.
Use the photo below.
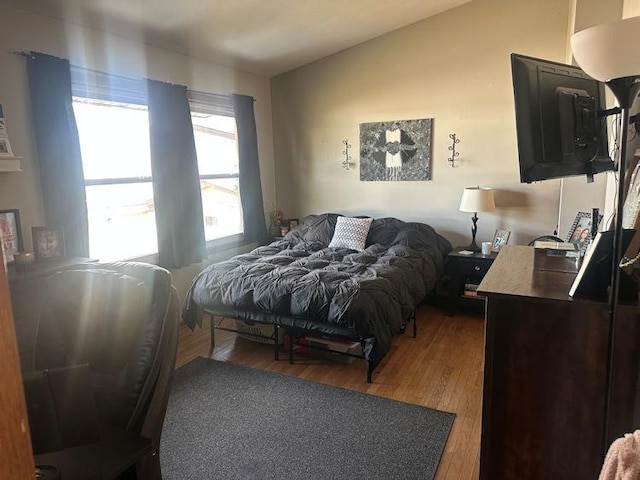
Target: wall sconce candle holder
(452, 149)
(346, 163)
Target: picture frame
(5, 147)
(593, 277)
(500, 239)
(48, 243)
(580, 231)
(11, 234)
(293, 223)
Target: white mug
(486, 248)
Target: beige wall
(631, 8)
(23, 31)
(454, 68)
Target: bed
(308, 282)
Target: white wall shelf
(10, 164)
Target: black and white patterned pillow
(351, 233)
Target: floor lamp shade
(608, 51)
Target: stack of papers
(555, 245)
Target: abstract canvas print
(398, 150)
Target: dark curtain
(255, 228)
(59, 158)
(176, 183)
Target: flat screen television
(561, 131)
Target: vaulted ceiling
(266, 37)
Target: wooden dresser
(546, 374)
(27, 289)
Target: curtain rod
(30, 55)
(23, 54)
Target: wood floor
(441, 369)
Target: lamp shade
(477, 199)
(609, 51)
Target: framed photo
(580, 232)
(500, 239)
(293, 223)
(5, 147)
(10, 233)
(48, 243)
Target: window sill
(216, 246)
(226, 243)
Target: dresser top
(513, 273)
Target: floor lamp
(609, 53)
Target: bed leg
(370, 368)
(415, 324)
(212, 333)
(275, 341)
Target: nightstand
(465, 274)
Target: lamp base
(473, 246)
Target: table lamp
(476, 199)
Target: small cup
(486, 248)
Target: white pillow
(351, 233)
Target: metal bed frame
(296, 333)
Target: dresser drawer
(474, 267)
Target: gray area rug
(226, 421)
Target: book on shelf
(471, 286)
(471, 289)
(472, 293)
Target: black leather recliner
(122, 320)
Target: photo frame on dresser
(10, 234)
(500, 239)
(48, 243)
(593, 278)
(580, 233)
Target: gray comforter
(300, 282)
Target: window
(113, 127)
(217, 151)
(114, 141)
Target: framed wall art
(48, 243)
(10, 234)
(396, 150)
